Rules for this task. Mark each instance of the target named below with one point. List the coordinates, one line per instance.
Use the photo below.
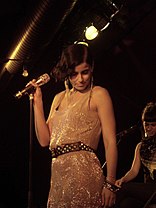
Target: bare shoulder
(100, 94)
(101, 98)
(98, 90)
(58, 97)
(138, 146)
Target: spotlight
(91, 32)
(101, 23)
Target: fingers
(108, 198)
(111, 201)
(108, 204)
(37, 89)
(119, 183)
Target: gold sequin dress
(77, 177)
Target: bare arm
(41, 128)
(133, 172)
(41, 124)
(106, 114)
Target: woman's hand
(108, 198)
(119, 182)
(37, 92)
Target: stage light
(25, 72)
(100, 23)
(91, 32)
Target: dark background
(124, 64)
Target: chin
(80, 88)
(83, 88)
(151, 135)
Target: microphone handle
(27, 90)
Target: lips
(150, 133)
(80, 85)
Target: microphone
(41, 80)
(127, 131)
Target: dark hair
(149, 112)
(72, 56)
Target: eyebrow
(84, 69)
(146, 122)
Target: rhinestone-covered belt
(71, 147)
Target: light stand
(30, 196)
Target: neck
(81, 91)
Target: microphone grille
(43, 79)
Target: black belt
(72, 147)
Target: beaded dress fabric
(77, 177)
(148, 157)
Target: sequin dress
(77, 177)
(148, 158)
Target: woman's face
(80, 79)
(150, 128)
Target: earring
(146, 135)
(66, 83)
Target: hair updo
(71, 56)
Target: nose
(149, 127)
(80, 77)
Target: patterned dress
(77, 177)
(148, 158)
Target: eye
(86, 71)
(146, 124)
(74, 74)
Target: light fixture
(105, 26)
(100, 23)
(25, 72)
(83, 42)
(91, 32)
